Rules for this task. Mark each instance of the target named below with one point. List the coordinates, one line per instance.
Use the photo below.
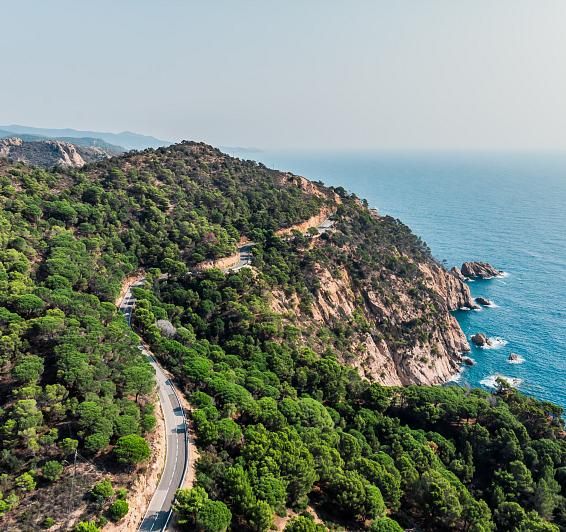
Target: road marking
(163, 383)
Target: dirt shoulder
(126, 283)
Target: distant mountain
(51, 152)
(127, 139)
(86, 142)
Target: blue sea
(506, 209)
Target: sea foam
(495, 343)
(491, 381)
(457, 377)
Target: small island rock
(514, 357)
(483, 301)
(481, 340)
(468, 361)
(479, 270)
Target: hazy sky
(446, 74)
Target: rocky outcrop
(9, 144)
(449, 286)
(479, 270)
(457, 273)
(50, 153)
(377, 351)
(309, 187)
(481, 340)
(483, 301)
(224, 263)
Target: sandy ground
(281, 522)
(55, 501)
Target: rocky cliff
(50, 153)
(395, 327)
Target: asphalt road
(246, 254)
(245, 257)
(158, 514)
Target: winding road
(159, 511)
(246, 254)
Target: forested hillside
(283, 362)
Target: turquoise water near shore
(507, 209)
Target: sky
(293, 74)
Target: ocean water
(506, 209)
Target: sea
(508, 209)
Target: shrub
(148, 422)
(86, 526)
(48, 522)
(303, 523)
(68, 446)
(25, 482)
(102, 490)
(52, 470)
(384, 524)
(118, 509)
(96, 442)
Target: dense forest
(289, 433)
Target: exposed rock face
(479, 270)
(49, 153)
(449, 286)
(222, 264)
(481, 340)
(457, 273)
(483, 301)
(377, 353)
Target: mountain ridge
(125, 139)
(49, 153)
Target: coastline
(433, 193)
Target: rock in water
(483, 301)
(514, 357)
(479, 270)
(481, 340)
(468, 361)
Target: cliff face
(50, 153)
(448, 285)
(401, 340)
